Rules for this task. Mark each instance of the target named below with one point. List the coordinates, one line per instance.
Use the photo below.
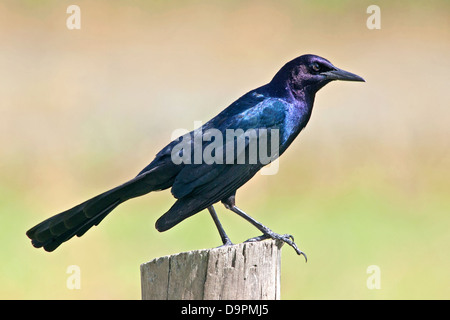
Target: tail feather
(51, 233)
(96, 220)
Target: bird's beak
(340, 74)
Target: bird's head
(309, 73)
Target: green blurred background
(366, 183)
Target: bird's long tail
(52, 232)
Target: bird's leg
(225, 239)
(267, 233)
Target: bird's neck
(304, 96)
(288, 91)
(300, 110)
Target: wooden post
(244, 271)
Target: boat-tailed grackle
(283, 106)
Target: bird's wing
(215, 180)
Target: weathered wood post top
(244, 271)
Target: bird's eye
(316, 66)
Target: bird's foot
(286, 238)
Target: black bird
(283, 106)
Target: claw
(289, 236)
(286, 238)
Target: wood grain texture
(242, 271)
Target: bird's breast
(296, 119)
